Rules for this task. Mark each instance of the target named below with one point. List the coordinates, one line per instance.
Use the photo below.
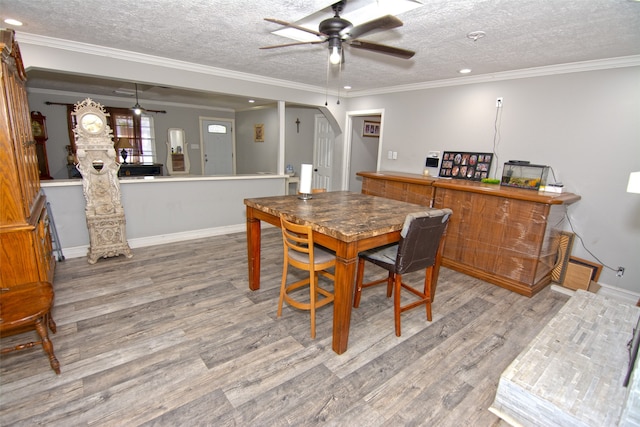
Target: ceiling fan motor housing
(332, 27)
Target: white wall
(162, 209)
(254, 156)
(299, 144)
(585, 125)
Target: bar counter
(503, 235)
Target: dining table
(343, 221)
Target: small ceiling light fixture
(465, 71)
(475, 35)
(335, 56)
(347, 87)
(251, 101)
(137, 109)
(14, 22)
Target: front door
(218, 148)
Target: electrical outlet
(390, 155)
(499, 102)
(620, 272)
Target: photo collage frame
(465, 165)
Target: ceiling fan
(337, 30)
(138, 110)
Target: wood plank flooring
(173, 336)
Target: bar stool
(27, 307)
(300, 252)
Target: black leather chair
(420, 247)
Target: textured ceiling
(227, 34)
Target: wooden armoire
(26, 253)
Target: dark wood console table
(502, 235)
(140, 169)
(127, 169)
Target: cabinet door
(31, 257)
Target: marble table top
(343, 215)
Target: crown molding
(124, 55)
(573, 67)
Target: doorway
(218, 146)
(361, 153)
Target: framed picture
(371, 128)
(258, 133)
(464, 165)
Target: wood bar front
(505, 236)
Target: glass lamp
(123, 144)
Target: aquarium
(521, 174)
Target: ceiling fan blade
(380, 48)
(292, 25)
(379, 24)
(292, 44)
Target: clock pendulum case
(39, 132)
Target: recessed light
(251, 101)
(347, 87)
(13, 22)
(465, 71)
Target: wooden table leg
(253, 249)
(346, 259)
(41, 328)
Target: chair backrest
(298, 243)
(420, 239)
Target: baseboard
(141, 242)
(618, 293)
(605, 290)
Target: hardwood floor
(173, 337)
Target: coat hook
(298, 125)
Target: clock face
(36, 128)
(91, 123)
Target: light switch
(395, 155)
(390, 155)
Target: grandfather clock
(97, 163)
(39, 131)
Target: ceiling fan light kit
(335, 56)
(137, 109)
